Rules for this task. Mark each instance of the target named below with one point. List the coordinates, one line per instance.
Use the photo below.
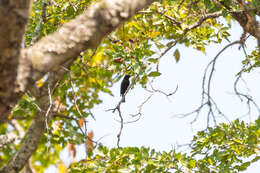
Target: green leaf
(176, 54)
(154, 74)
(144, 80)
(153, 60)
(192, 163)
(207, 3)
(244, 166)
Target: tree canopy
(57, 56)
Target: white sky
(157, 128)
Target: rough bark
(34, 133)
(14, 15)
(29, 145)
(7, 138)
(249, 24)
(245, 19)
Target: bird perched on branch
(124, 85)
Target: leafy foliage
(225, 148)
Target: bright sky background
(157, 128)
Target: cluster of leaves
(53, 14)
(132, 47)
(132, 159)
(23, 111)
(7, 151)
(252, 60)
(225, 148)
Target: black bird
(124, 85)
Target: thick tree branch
(245, 19)
(31, 140)
(86, 31)
(34, 133)
(13, 18)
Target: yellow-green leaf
(176, 54)
(154, 74)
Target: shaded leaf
(176, 54)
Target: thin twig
(206, 99)
(56, 115)
(173, 20)
(179, 6)
(121, 127)
(119, 113)
(140, 107)
(18, 128)
(38, 26)
(186, 30)
(49, 108)
(249, 99)
(213, 62)
(74, 93)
